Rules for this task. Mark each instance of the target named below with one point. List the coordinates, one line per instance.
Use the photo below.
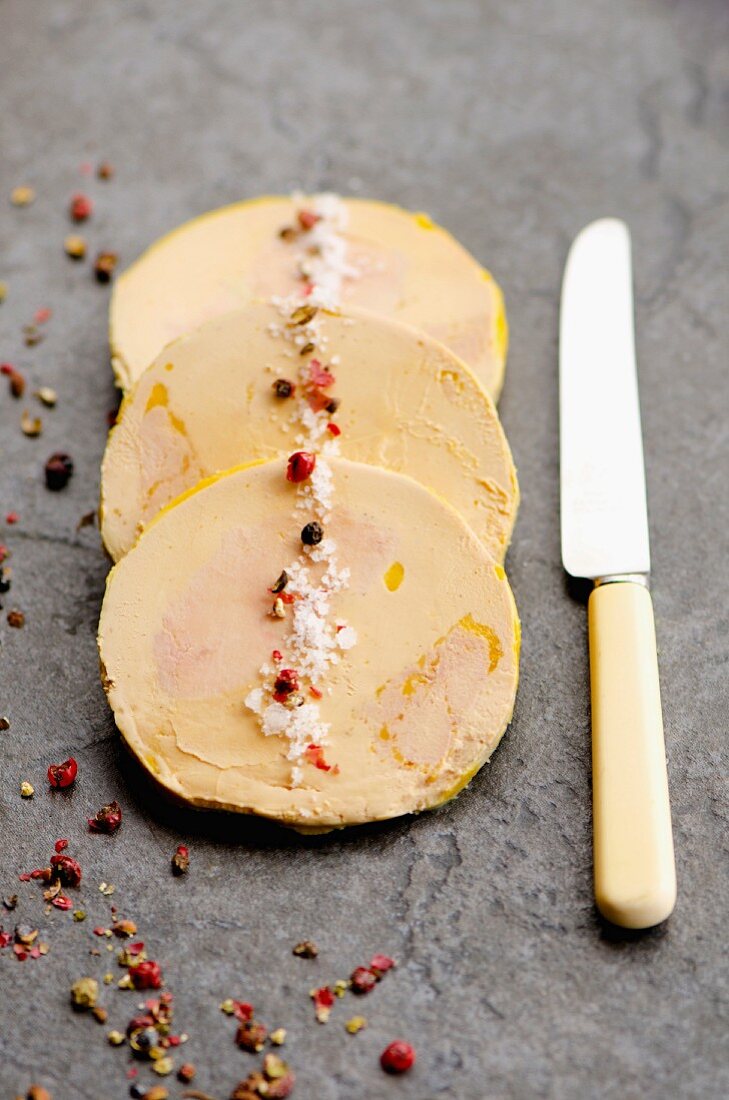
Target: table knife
(604, 529)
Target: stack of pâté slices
(308, 496)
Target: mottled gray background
(513, 124)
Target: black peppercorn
(4, 581)
(333, 405)
(59, 469)
(283, 388)
(312, 534)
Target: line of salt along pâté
(294, 678)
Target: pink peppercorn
(146, 975)
(81, 207)
(62, 775)
(398, 1057)
(300, 466)
(363, 980)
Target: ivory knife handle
(634, 868)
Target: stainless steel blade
(603, 505)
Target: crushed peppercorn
(181, 860)
(280, 583)
(63, 775)
(146, 975)
(31, 426)
(306, 950)
(251, 1035)
(107, 819)
(362, 980)
(84, 993)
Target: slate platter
(513, 125)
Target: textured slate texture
(512, 124)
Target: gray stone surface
(513, 124)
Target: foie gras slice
(398, 264)
(412, 709)
(208, 403)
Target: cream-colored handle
(635, 873)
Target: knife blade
(604, 529)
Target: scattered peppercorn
(75, 246)
(323, 1001)
(22, 196)
(67, 870)
(181, 860)
(186, 1073)
(300, 466)
(47, 396)
(398, 1057)
(58, 471)
(84, 993)
(16, 381)
(80, 207)
(4, 584)
(146, 975)
(124, 929)
(107, 819)
(362, 980)
(16, 618)
(306, 950)
(63, 775)
(251, 1036)
(105, 170)
(312, 534)
(31, 426)
(283, 388)
(104, 266)
(32, 335)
